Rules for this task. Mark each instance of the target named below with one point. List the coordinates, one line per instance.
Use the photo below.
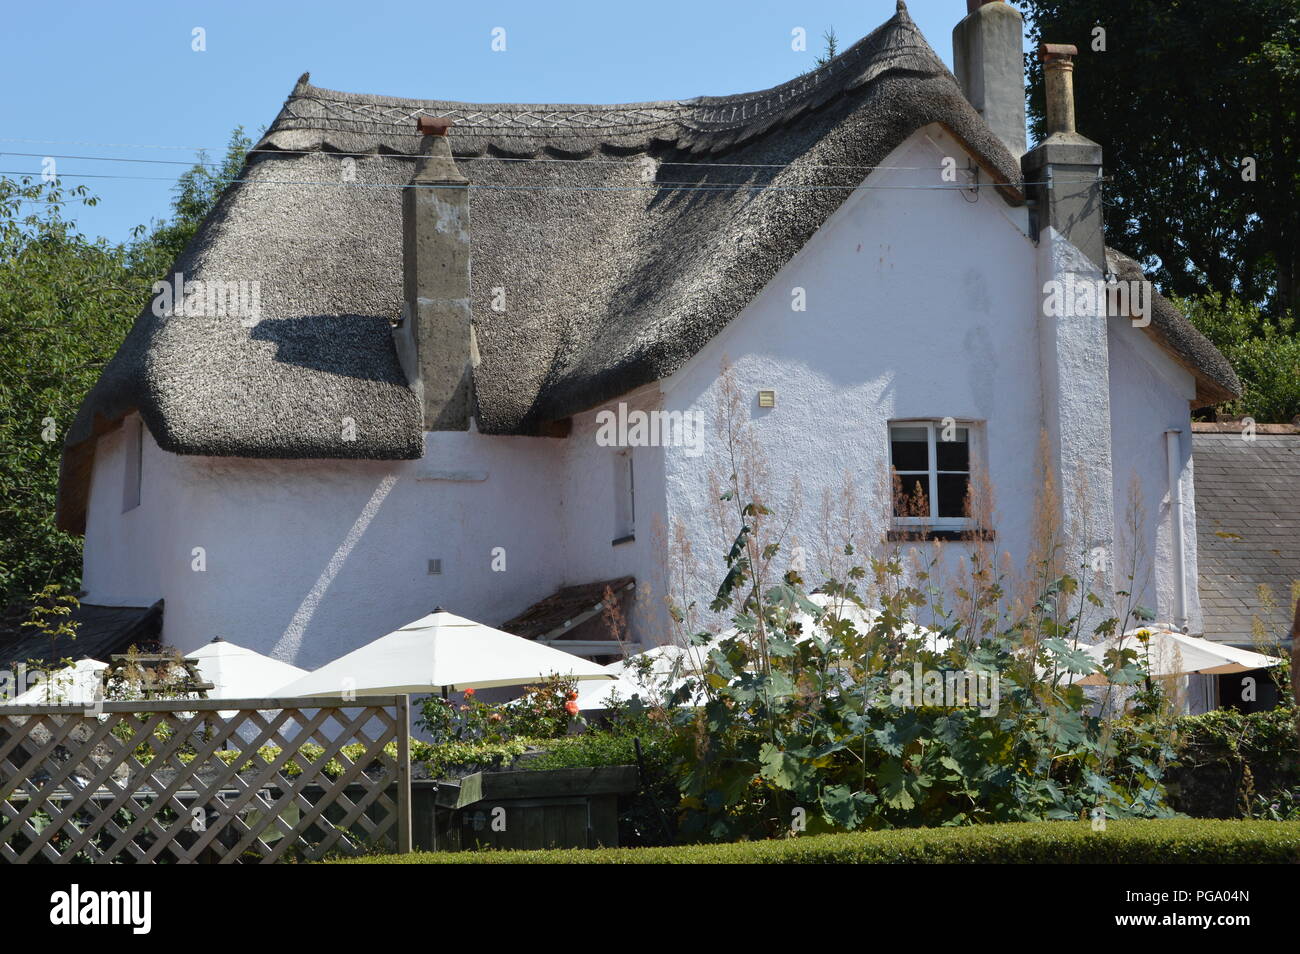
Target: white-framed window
(624, 497)
(133, 453)
(931, 461)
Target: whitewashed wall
(1073, 356)
(587, 494)
(1150, 394)
(920, 303)
(122, 563)
(306, 560)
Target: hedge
(1234, 765)
(1172, 841)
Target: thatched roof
(610, 281)
(1215, 379)
(609, 284)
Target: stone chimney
(991, 70)
(1063, 172)
(434, 337)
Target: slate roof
(1247, 528)
(102, 631)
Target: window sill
(630, 538)
(930, 533)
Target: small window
(624, 498)
(932, 466)
(133, 451)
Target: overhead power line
(651, 186)
(411, 157)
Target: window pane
(909, 448)
(953, 454)
(952, 495)
(913, 499)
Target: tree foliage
(1264, 352)
(66, 303)
(1181, 93)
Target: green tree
(1181, 93)
(195, 195)
(1264, 352)
(66, 303)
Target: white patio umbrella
(237, 672)
(442, 651)
(240, 673)
(667, 664)
(1172, 653)
(863, 619)
(78, 684)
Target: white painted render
(921, 303)
(1149, 394)
(588, 512)
(306, 560)
(1076, 416)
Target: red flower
(572, 695)
(571, 707)
(469, 693)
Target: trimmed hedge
(1172, 841)
(1233, 765)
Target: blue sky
(124, 72)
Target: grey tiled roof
(1248, 530)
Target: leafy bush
(597, 748)
(544, 711)
(458, 759)
(1167, 841)
(809, 728)
(1231, 764)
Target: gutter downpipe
(1173, 453)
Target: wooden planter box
(554, 808)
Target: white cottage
(403, 404)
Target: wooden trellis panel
(229, 780)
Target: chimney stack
(1058, 83)
(434, 337)
(1063, 172)
(991, 70)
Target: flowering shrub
(544, 711)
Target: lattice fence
(247, 780)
